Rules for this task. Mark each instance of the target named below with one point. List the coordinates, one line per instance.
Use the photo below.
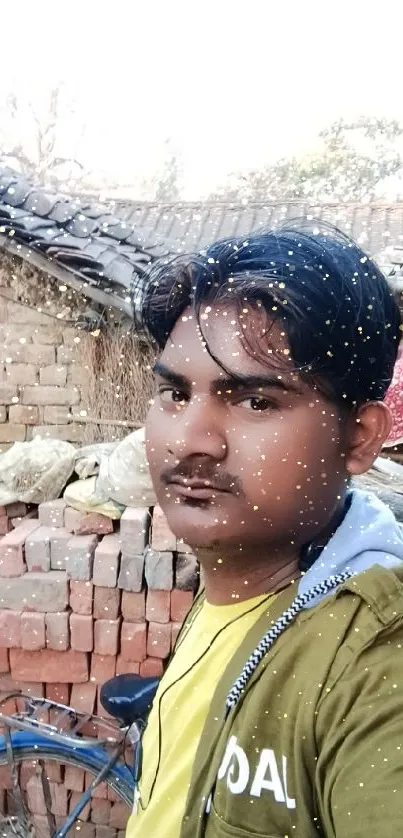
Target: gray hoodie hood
(369, 534)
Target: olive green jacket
(313, 744)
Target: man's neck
(232, 578)
(227, 581)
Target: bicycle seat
(128, 697)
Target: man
(281, 711)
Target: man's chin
(198, 526)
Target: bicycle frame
(67, 729)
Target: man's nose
(199, 430)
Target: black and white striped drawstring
(287, 617)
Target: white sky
(233, 84)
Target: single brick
(8, 392)
(47, 335)
(159, 640)
(58, 692)
(37, 550)
(181, 603)
(21, 414)
(32, 630)
(102, 668)
(53, 771)
(123, 666)
(133, 642)
(78, 375)
(67, 433)
(175, 629)
(36, 797)
(83, 698)
(106, 562)
(16, 508)
(151, 668)
(49, 395)
(5, 525)
(131, 572)
(81, 597)
(74, 778)
(87, 830)
(12, 433)
(106, 603)
(23, 314)
(66, 667)
(106, 637)
(4, 661)
(100, 811)
(59, 798)
(85, 814)
(58, 548)
(12, 549)
(35, 592)
(81, 549)
(71, 337)
(57, 631)
(10, 629)
(134, 527)
(186, 572)
(21, 374)
(66, 354)
(182, 547)
(51, 513)
(119, 816)
(54, 374)
(95, 524)
(159, 570)
(81, 633)
(161, 536)
(55, 415)
(134, 606)
(105, 832)
(158, 606)
(72, 519)
(100, 792)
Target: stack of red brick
(104, 817)
(78, 606)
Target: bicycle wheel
(67, 771)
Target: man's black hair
(340, 315)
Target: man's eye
(256, 403)
(169, 395)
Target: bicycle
(43, 738)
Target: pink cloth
(394, 400)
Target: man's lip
(196, 489)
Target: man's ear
(370, 426)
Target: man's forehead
(218, 345)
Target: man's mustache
(222, 480)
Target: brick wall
(40, 375)
(79, 604)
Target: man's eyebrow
(174, 378)
(231, 383)
(256, 382)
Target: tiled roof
(75, 240)
(191, 226)
(104, 249)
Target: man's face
(251, 457)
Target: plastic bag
(83, 495)
(36, 471)
(124, 476)
(89, 457)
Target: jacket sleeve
(359, 778)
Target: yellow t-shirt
(182, 710)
